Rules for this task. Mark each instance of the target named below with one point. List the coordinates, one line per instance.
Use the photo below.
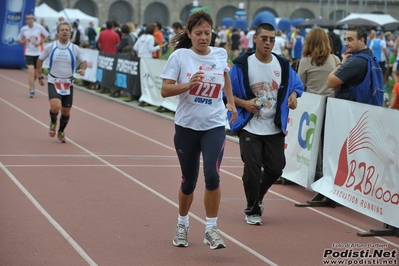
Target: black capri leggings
(189, 144)
(66, 100)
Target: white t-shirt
(202, 107)
(250, 37)
(223, 36)
(62, 63)
(145, 46)
(278, 44)
(264, 80)
(32, 36)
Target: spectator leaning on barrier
(108, 39)
(200, 120)
(145, 44)
(353, 70)
(265, 87)
(127, 41)
(315, 65)
(159, 39)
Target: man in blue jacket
(265, 87)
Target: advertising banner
(151, 81)
(303, 139)
(361, 159)
(118, 72)
(91, 57)
(12, 18)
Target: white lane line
(320, 212)
(88, 165)
(232, 239)
(56, 225)
(226, 172)
(240, 178)
(102, 165)
(102, 155)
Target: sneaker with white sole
(262, 207)
(61, 137)
(213, 239)
(180, 239)
(253, 219)
(51, 129)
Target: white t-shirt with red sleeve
(32, 36)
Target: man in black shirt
(352, 70)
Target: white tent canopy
(72, 15)
(51, 16)
(381, 19)
(45, 9)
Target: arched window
(88, 7)
(121, 12)
(225, 12)
(302, 13)
(157, 12)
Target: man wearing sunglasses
(265, 87)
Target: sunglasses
(267, 39)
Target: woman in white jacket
(145, 45)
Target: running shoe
(61, 137)
(253, 219)
(31, 94)
(213, 239)
(51, 129)
(262, 207)
(180, 239)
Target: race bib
(207, 92)
(63, 86)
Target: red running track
(109, 196)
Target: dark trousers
(264, 161)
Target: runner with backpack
(358, 77)
(64, 56)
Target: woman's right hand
(196, 79)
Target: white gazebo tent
(381, 19)
(72, 15)
(51, 16)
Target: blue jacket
(290, 81)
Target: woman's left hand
(233, 110)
